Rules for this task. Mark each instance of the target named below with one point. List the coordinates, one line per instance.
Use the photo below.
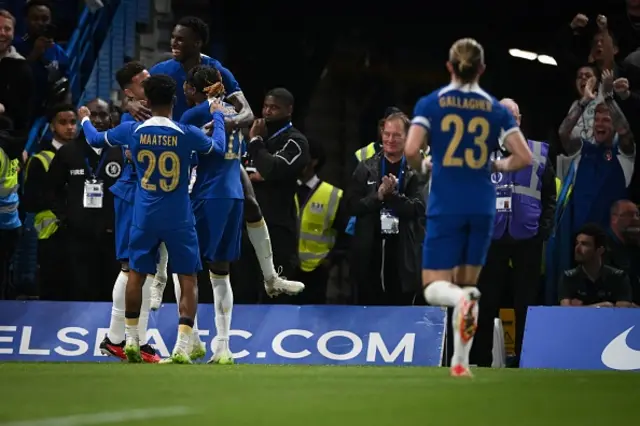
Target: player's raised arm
(516, 144)
(418, 136)
(112, 137)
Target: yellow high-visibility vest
(317, 236)
(366, 152)
(8, 175)
(45, 222)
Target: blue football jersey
(464, 124)
(161, 150)
(175, 70)
(217, 177)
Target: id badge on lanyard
(504, 196)
(93, 194)
(93, 197)
(389, 222)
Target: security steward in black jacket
(54, 270)
(386, 197)
(78, 187)
(277, 152)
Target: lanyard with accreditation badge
(93, 187)
(389, 222)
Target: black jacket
(17, 90)
(362, 202)
(279, 161)
(65, 187)
(34, 195)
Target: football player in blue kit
(130, 78)
(161, 149)
(462, 125)
(219, 224)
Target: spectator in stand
(386, 197)
(603, 170)
(602, 46)
(53, 261)
(49, 61)
(630, 105)
(623, 246)
(17, 88)
(592, 283)
(77, 187)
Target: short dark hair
(202, 76)
(596, 232)
(125, 75)
(282, 95)
(160, 89)
(198, 26)
(57, 109)
(37, 3)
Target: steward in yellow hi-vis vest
(321, 225)
(45, 222)
(316, 217)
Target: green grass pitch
(39, 394)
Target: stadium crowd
(569, 234)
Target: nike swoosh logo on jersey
(371, 182)
(619, 356)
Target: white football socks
(116, 325)
(461, 349)
(222, 304)
(178, 293)
(144, 310)
(443, 293)
(258, 234)
(161, 270)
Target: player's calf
(223, 307)
(133, 304)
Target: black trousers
(8, 243)
(246, 276)
(54, 270)
(526, 257)
(315, 286)
(94, 267)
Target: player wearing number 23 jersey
(161, 149)
(464, 124)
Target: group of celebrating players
(179, 110)
(182, 197)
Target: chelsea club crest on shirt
(113, 169)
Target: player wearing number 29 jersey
(161, 149)
(462, 124)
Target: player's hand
(83, 112)
(579, 21)
(215, 104)
(259, 128)
(139, 110)
(621, 87)
(607, 81)
(589, 90)
(601, 20)
(127, 153)
(256, 177)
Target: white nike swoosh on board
(619, 356)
